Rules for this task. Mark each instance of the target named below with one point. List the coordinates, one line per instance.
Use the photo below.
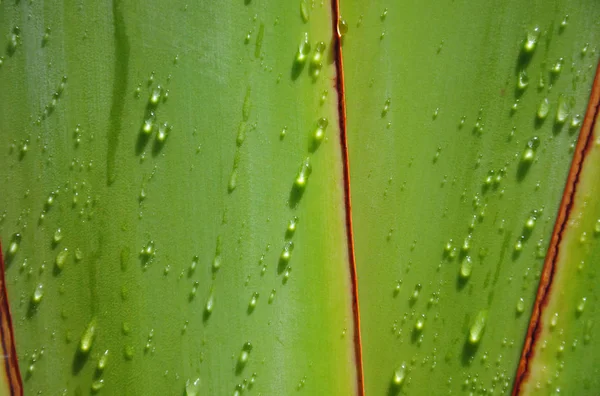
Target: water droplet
(282, 133)
(584, 50)
(303, 174)
(128, 352)
(529, 153)
(303, 50)
(316, 63)
(399, 375)
(97, 385)
(38, 294)
(244, 356)
(210, 305)
(286, 253)
(477, 328)
(57, 235)
(291, 228)
(304, 11)
(520, 306)
(581, 306)
(563, 23)
(554, 320)
(155, 97)
(148, 125)
(342, 27)
(420, 324)
(415, 294)
(522, 81)
(61, 259)
(319, 133)
(102, 361)
(192, 388)
(557, 68)
(466, 267)
(563, 110)
(147, 253)
(247, 104)
(253, 302)
(87, 338)
(386, 107)
(575, 121)
(13, 246)
(194, 290)
(543, 109)
(163, 132)
(531, 40)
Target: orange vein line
(7, 339)
(339, 64)
(566, 205)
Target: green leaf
(564, 354)
(462, 118)
(150, 158)
(176, 219)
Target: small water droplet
(581, 305)
(272, 296)
(102, 361)
(563, 23)
(522, 81)
(316, 63)
(57, 235)
(291, 228)
(97, 385)
(342, 27)
(386, 107)
(557, 68)
(253, 302)
(319, 133)
(575, 121)
(13, 246)
(38, 294)
(61, 259)
(520, 306)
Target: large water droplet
(303, 50)
(319, 133)
(303, 174)
(466, 267)
(399, 375)
(192, 388)
(304, 11)
(478, 327)
(531, 40)
(543, 109)
(87, 338)
(61, 259)
(244, 356)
